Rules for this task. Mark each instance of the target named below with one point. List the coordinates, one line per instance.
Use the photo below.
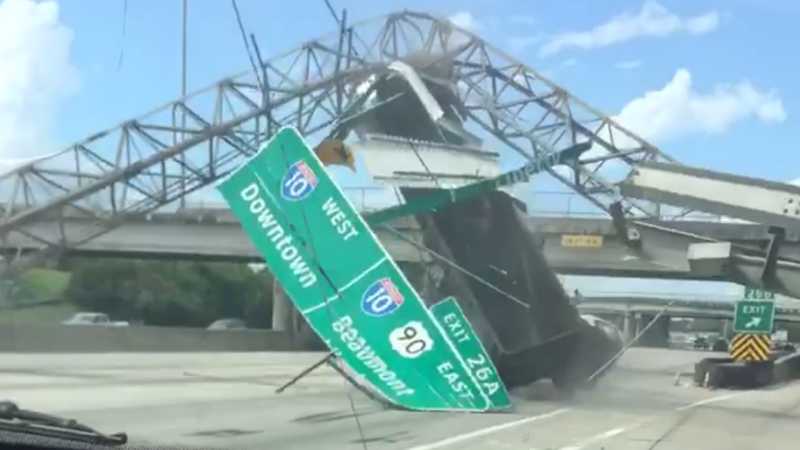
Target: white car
(94, 319)
(227, 324)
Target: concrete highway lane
(228, 401)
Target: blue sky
(711, 82)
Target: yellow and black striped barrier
(750, 347)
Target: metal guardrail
(661, 295)
(655, 295)
(540, 203)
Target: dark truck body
(513, 299)
(536, 335)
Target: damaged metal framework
(146, 163)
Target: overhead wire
(394, 231)
(338, 21)
(421, 248)
(424, 249)
(247, 44)
(311, 247)
(124, 32)
(336, 18)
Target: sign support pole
(305, 372)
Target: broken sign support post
(305, 372)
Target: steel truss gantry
(148, 162)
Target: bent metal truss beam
(148, 162)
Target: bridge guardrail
(540, 203)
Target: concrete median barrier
(21, 338)
(787, 368)
(704, 367)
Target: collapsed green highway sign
(344, 282)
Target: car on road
(227, 324)
(783, 346)
(93, 319)
(720, 345)
(701, 343)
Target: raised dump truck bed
(512, 297)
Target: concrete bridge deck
(696, 309)
(578, 246)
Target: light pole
(183, 96)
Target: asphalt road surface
(228, 401)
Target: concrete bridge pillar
(282, 310)
(657, 334)
(629, 326)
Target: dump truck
(512, 297)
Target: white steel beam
(753, 199)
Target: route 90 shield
(344, 282)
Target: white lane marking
(617, 431)
(600, 437)
(718, 398)
(488, 430)
(578, 446)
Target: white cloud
(520, 43)
(465, 20)
(628, 65)
(677, 110)
(653, 20)
(36, 75)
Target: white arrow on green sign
(344, 282)
(754, 317)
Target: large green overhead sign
(344, 282)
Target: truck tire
(564, 386)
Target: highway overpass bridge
(149, 162)
(635, 314)
(695, 309)
(572, 245)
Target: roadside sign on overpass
(344, 282)
(581, 241)
(754, 317)
(460, 331)
(750, 347)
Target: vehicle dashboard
(22, 441)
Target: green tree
(258, 307)
(102, 285)
(171, 293)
